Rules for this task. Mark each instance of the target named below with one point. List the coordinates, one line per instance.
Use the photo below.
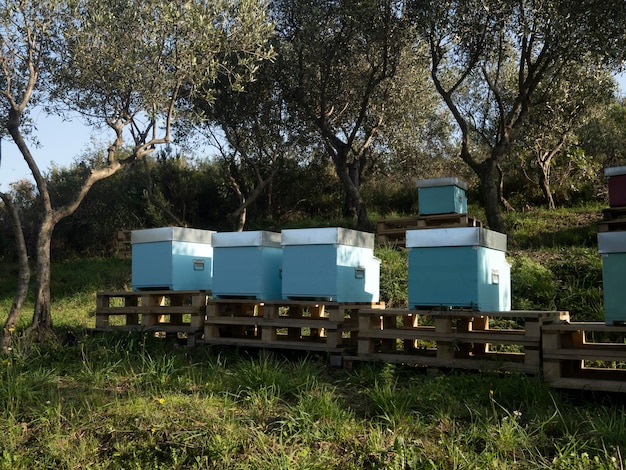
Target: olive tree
(548, 148)
(493, 61)
(131, 67)
(338, 60)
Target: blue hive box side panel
(614, 287)
(358, 275)
(173, 265)
(469, 277)
(443, 277)
(309, 271)
(494, 283)
(442, 200)
(247, 271)
(152, 266)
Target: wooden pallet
(462, 339)
(617, 225)
(614, 213)
(585, 356)
(124, 248)
(393, 231)
(170, 312)
(447, 221)
(284, 324)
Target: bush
(394, 268)
(533, 285)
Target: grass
(134, 401)
(131, 401)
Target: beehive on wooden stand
(247, 265)
(334, 264)
(462, 267)
(172, 258)
(442, 196)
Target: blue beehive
(612, 247)
(247, 265)
(335, 264)
(442, 196)
(458, 267)
(172, 258)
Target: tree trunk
(42, 318)
(344, 172)
(239, 218)
(487, 172)
(23, 278)
(544, 184)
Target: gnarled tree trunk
(23, 277)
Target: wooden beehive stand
(585, 356)
(393, 231)
(464, 339)
(286, 324)
(613, 220)
(123, 244)
(169, 312)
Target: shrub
(533, 285)
(394, 270)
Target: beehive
(462, 267)
(612, 248)
(172, 258)
(247, 265)
(442, 196)
(333, 263)
(617, 185)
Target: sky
(61, 142)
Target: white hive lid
(458, 236)
(165, 234)
(248, 238)
(436, 182)
(611, 242)
(615, 171)
(327, 236)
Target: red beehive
(617, 185)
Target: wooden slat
(600, 385)
(585, 326)
(590, 351)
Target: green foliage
(533, 285)
(133, 401)
(541, 228)
(394, 269)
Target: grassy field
(133, 401)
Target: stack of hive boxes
(612, 247)
(461, 267)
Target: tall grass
(132, 401)
(124, 401)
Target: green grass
(130, 401)
(133, 401)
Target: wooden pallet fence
(393, 231)
(447, 221)
(585, 356)
(613, 220)
(463, 339)
(124, 247)
(170, 312)
(614, 213)
(287, 324)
